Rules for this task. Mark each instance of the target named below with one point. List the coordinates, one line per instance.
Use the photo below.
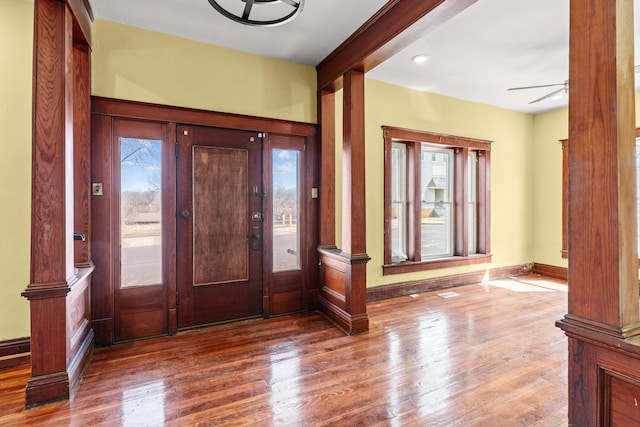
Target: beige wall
(16, 40)
(511, 169)
(549, 129)
(141, 65)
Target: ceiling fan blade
(535, 87)
(549, 95)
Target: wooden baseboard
(407, 288)
(550, 270)
(15, 352)
(349, 324)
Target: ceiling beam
(394, 27)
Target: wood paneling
(327, 116)
(220, 206)
(352, 258)
(82, 153)
(102, 233)
(488, 357)
(61, 340)
(603, 320)
(601, 170)
(228, 297)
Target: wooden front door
(219, 226)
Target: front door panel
(219, 225)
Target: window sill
(434, 264)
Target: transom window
(436, 200)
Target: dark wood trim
(435, 264)
(169, 225)
(603, 320)
(343, 278)
(353, 167)
(484, 202)
(550, 270)
(460, 198)
(327, 116)
(81, 9)
(61, 339)
(445, 140)
(414, 140)
(190, 116)
(444, 282)
(387, 196)
(337, 299)
(413, 197)
(565, 188)
(395, 26)
(15, 352)
(82, 154)
(101, 213)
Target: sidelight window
(140, 212)
(286, 209)
(436, 201)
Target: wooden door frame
(104, 110)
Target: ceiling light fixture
(420, 59)
(267, 13)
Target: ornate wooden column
(603, 321)
(343, 277)
(61, 339)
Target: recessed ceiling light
(420, 59)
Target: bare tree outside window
(140, 212)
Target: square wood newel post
(603, 315)
(61, 339)
(343, 293)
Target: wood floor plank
(489, 356)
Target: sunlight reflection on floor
(525, 284)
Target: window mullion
(461, 195)
(414, 201)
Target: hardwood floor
(488, 356)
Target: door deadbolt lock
(185, 214)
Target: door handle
(256, 242)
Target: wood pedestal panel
(61, 318)
(342, 283)
(604, 379)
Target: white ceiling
(477, 55)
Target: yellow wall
(549, 128)
(16, 40)
(141, 65)
(511, 169)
